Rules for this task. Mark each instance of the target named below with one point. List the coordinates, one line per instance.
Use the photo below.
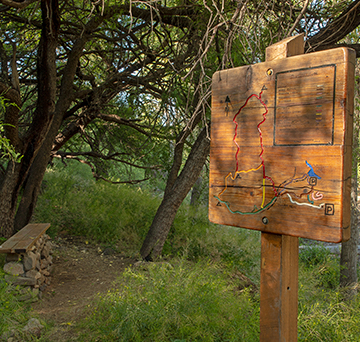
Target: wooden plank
(287, 119)
(288, 47)
(279, 259)
(24, 239)
(278, 288)
(270, 284)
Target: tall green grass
(119, 214)
(180, 301)
(202, 301)
(104, 212)
(195, 295)
(13, 314)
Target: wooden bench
(24, 239)
(28, 260)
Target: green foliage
(314, 255)
(12, 312)
(182, 301)
(194, 296)
(325, 266)
(235, 247)
(323, 313)
(105, 212)
(7, 151)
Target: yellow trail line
(242, 171)
(263, 201)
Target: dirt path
(80, 272)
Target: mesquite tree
(94, 82)
(239, 37)
(116, 81)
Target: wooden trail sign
(280, 162)
(281, 137)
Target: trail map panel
(281, 137)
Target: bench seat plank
(24, 239)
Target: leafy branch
(7, 151)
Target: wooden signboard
(281, 137)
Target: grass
(181, 301)
(13, 314)
(98, 210)
(197, 292)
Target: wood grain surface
(281, 137)
(25, 238)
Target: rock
(29, 261)
(33, 274)
(8, 336)
(27, 297)
(14, 280)
(142, 264)
(47, 280)
(36, 292)
(41, 280)
(30, 295)
(109, 251)
(13, 257)
(45, 273)
(33, 327)
(14, 268)
(44, 263)
(38, 266)
(39, 243)
(45, 253)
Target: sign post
(280, 162)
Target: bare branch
(113, 156)
(18, 5)
(298, 18)
(336, 30)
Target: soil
(81, 271)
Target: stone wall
(30, 270)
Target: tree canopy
(129, 82)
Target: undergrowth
(197, 292)
(13, 314)
(180, 301)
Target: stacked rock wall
(32, 269)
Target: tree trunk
(349, 255)
(46, 74)
(8, 199)
(32, 186)
(349, 249)
(196, 192)
(165, 215)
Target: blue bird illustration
(311, 172)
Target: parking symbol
(329, 209)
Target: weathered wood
(279, 258)
(288, 47)
(278, 288)
(24, 239)
(281, 141)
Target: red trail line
(258, 97)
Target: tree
(83, 76)
(237, 37)
(130, 83)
